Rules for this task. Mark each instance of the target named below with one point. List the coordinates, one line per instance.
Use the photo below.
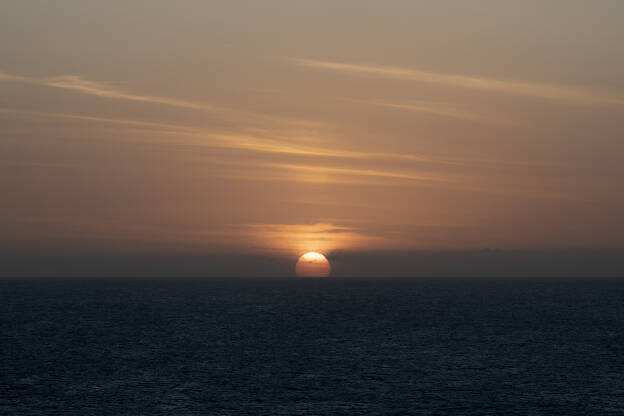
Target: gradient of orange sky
(280, 126)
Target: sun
(312, 264)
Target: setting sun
(312, 264)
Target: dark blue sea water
(313, 347)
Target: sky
(230, 137)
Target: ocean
(188, 346)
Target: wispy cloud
(241, 141)
(264, 143)
(384, 177)
(107, 90)
(299, 238)
(77, 83)
(9, 77)
(101, 89)
(252, 170)
(359, 172)
(566, 93)
(78, 117)
(256, 143)
(364, 168)
(436, 109)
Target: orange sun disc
(312, 264)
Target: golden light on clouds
(301, 238)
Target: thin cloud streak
(359, 176)
(269, 146)
(565, 93)
(299, 238)
(100, 89)
(473, 184)
(239, 141)
(67, 116)
(247, 142)
(103, 90)
(436, 109)
(76, 83)
(358, 172)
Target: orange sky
(284, 127)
